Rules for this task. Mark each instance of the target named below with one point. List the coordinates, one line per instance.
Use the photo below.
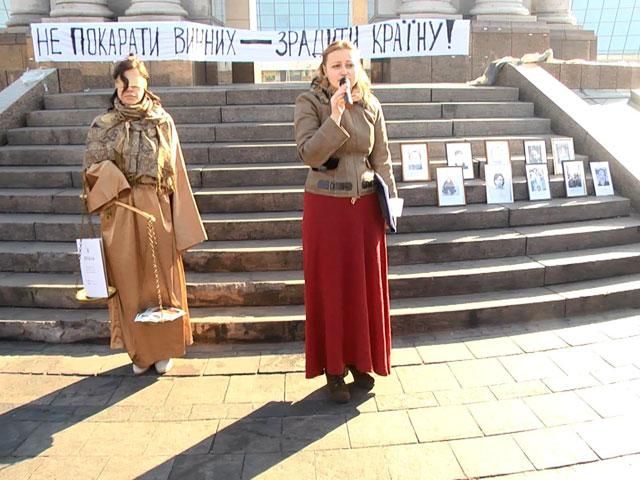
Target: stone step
(422, 315)
(21, 227)
(222, 175)
(425, 280)
(257, 198)
(284, 113)
(46, 176)
(273, 225)
(286, 198)
(267, 288)
(286, 94)
(256, 151)
(286, 323)
(426, 247)
(403, 249)
(233, 132)
(84, 117)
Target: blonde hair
(362, 80)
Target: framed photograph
(459, 155)
(602, 182)
(499, 183)
(415, 163)
(574, 180)
(538, 181)
(535, 151)
(562, 149)
(450, 183)
(497, 152)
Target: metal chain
(153, 243)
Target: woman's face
(137, 86)
(341, 63)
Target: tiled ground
(551, 400)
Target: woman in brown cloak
(133, 156)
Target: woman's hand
(356, 94)
(338, 104)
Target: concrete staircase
(452, 266)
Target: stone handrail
(23, 96)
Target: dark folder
(383, 198)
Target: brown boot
(338, 390)
(362, 379)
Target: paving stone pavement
(527, 401)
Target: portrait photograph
(538, 181)
(459, 155)
(497, 152)
(415, 162)
(602, 182)
(562, 150)
(535, 151)
(450, 183)
(499, 183)
(574, 179)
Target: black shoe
(362, 379)
(338, 390)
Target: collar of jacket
(322, 93)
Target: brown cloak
(127, 249)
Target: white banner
(99, 42)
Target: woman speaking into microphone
(341, 134)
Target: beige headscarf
(138, 139)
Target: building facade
(499, 28)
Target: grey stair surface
(448, 266)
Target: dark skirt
(346, 287)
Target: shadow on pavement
(67, 414)
(28, 430)
(250, 446)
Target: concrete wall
(488, 42)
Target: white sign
(100, 42)
(92, 267)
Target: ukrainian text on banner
(98, 42)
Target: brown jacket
(359, 143)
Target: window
(616, 24)
(4, 12)
(301, 14)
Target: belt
(328, 185)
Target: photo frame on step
(415, 162)
(459, 155)
(498, 183)
(574, 179)
(562, 150)
(535, 151)
(450, 184)
(497, 152)
(538, 181)
(602, 182)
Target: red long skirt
(346, 287)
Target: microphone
(348, 100)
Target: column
(199, 11)
(499, 7)
(25, 12)
(554, 11)
(154, 9)
(426, 7)
(84, 11)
